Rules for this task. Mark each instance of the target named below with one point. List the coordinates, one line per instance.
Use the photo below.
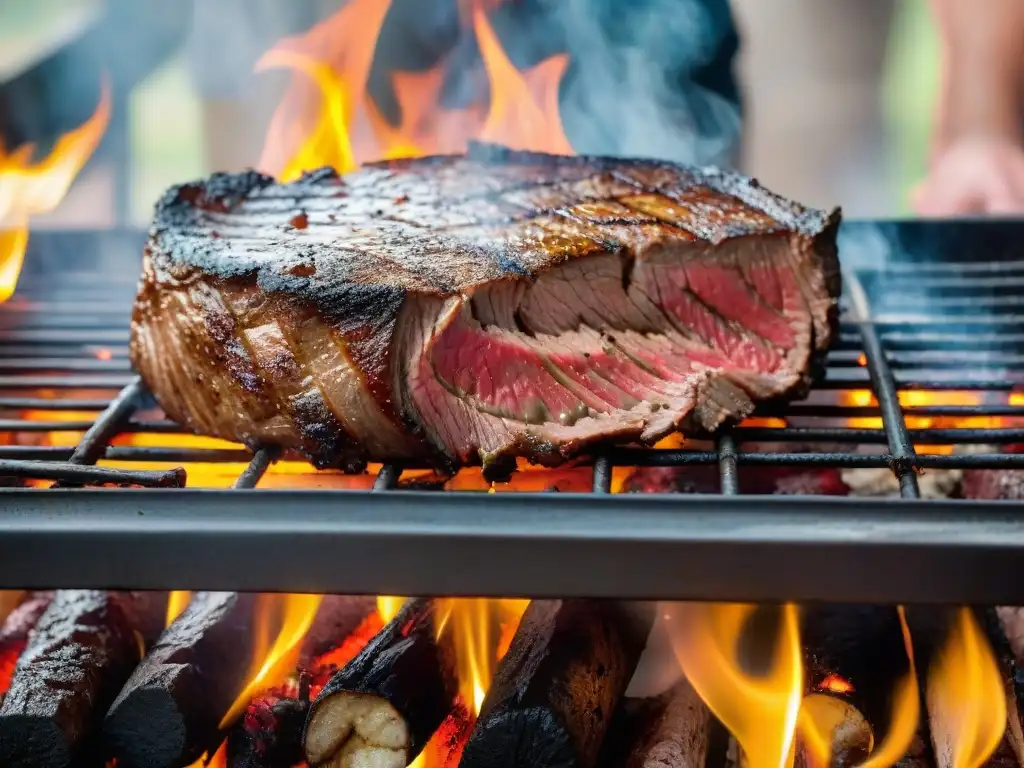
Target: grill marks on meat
(481, 307)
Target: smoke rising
(648, 79)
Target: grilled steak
(480, 307)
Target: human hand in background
(973, 175)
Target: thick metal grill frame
(728, 547)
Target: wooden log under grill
(382, 707)
(14, 634)
(81, 652)
(669, 730)
(863, 645)
(169, 711)
(337, 617)
(929, 627)
(555, 691)
(269, 734)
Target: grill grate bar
(73, 364)
(94, 442)
(883, 382)
(69, 336)
(727, 465)
(83, 381)
(387, 478)
(132, 453)
(82, 474)
(261, 461)
(54, 404)
(603, 474)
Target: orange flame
(27, 188)
(388, 607)
(760, 711)
(328, 118)
(294, 614)
(820, 716)
(177, 601)
(816, 723)
(478, 628)
(966, 697)
(524, 109)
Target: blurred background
(838, 93)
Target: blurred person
(977, 155)
(814, 128)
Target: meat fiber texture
(478, 308)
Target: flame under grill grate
(940, 320)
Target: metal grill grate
(937, 322)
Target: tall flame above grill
(29, 188)
(328, 118)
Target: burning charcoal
(993, 484)
(756, 479)
(77, 658)
(269, 735)
(270, 732)
(669, 730)
(555, 691)
(390, 699)
(14, 632)
(169, 712)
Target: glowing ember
(28, 189)
(966, 698)
(836, 684)
(760, 710)
(328, 118)
(915, 398)
(295, 612)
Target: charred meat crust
(249, 328)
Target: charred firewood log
(555, 691)
(864, 646)
(930, 628)
(386, 703)
(337, 617)
(169, 711)
(667, 730)
(14, 633)
(269, 734)
(147, 613)
(81, 652)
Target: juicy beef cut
(476, 308)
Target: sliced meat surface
(477, 308)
